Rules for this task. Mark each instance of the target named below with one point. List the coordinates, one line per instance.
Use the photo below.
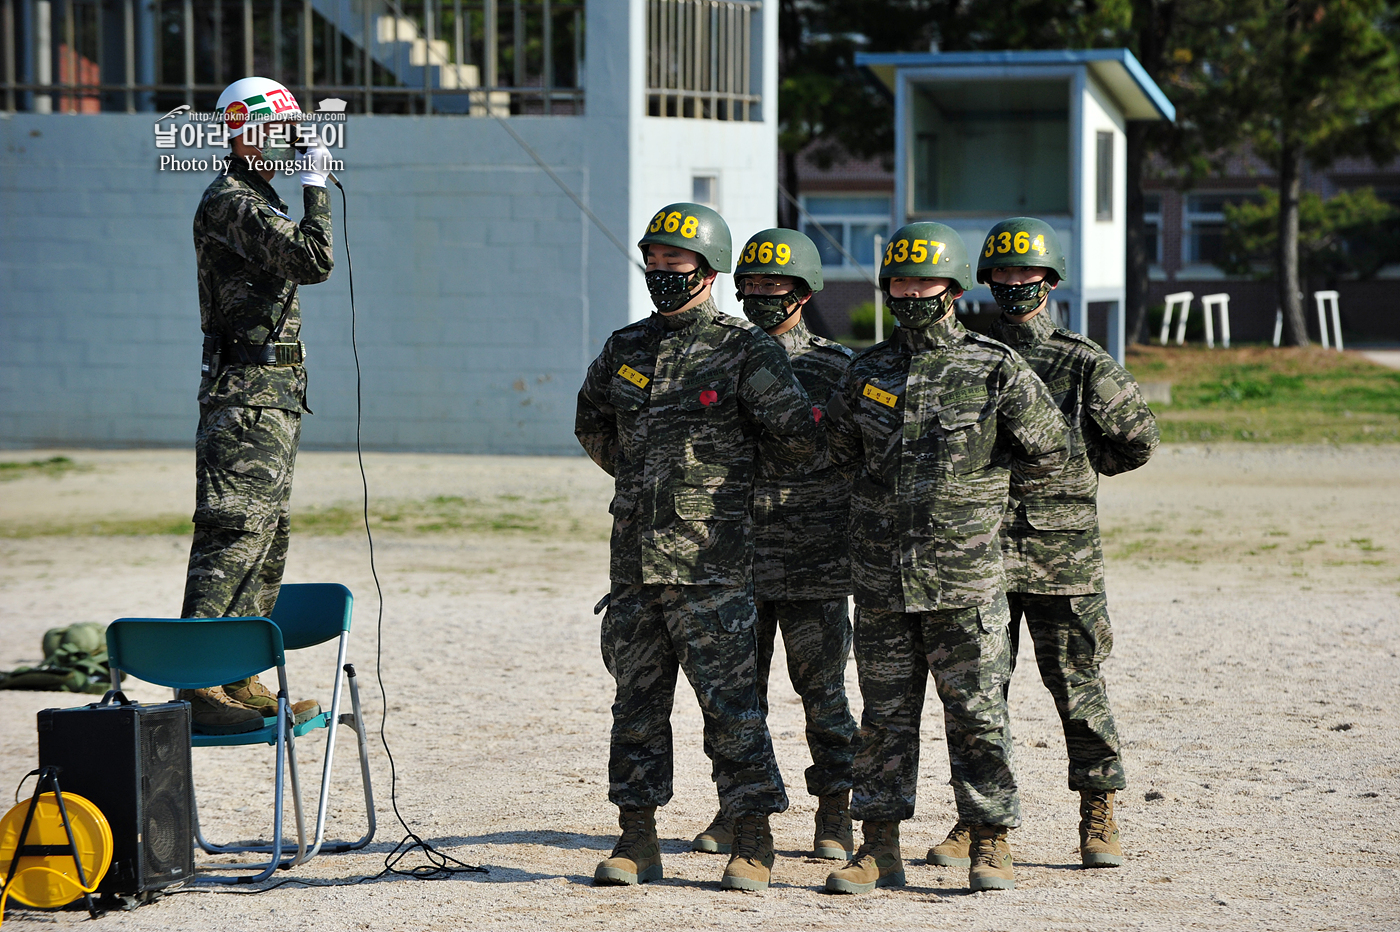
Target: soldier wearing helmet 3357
(801, 573)
(682, 409)
(252, 257)
(1050, 535)
(932, 418)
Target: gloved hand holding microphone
(315, 165)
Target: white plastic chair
(1182, 298)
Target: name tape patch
(876, 394)
(633, 376)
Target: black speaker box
(133, 762)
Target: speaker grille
(165, 791)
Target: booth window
(1103, 193)
(851, 220)
(990, 147)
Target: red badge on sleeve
(817, 413)
(709, 397)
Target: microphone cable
(439, 866)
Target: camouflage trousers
(650, 633)
(1072, 637)
(817, 640)
(967, 651)
(244, 459)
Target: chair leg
(296, 792)
(268, 867)
(364, 762)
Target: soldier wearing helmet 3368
(1050, 535)
(801, 573)
(681, 408)
(932, 419)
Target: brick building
(852, 198)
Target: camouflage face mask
(1020, 299)
(918, 313)
(768, 310)
(671, 290)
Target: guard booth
(982, 136)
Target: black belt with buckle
(243, 354)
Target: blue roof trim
(1042, 57)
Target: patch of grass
(53, 467)
(120, 527)
(1258, 394)
(446, 514)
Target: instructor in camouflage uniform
(1050, 537)
(936, 419)
(680, 408)
(801, 572)
(251, 259)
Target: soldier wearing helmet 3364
(932, 418)
(252, 258)
(681, 409)
(1050, 535)
(801, 573)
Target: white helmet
(255, 100)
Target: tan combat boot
(751, 865)
(991, 860)
(1098, 832)
(877, 863)
(718, 838)
(834, 839)
(636, 858)
(212, 712)
(255, 695)
(953, 850)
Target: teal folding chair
(306, 614)
(195, 653)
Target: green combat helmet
(1021, 242)
(778, 252)
(689, 226)
(924, 250)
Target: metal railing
(704, 59)
(476, 57)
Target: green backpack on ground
(75, 661)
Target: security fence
(702, 59)
(474, 57)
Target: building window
(704, 59)
(1103, 192)
(1152, 227)
(851, 220)
(1203, 223)
(704, 189)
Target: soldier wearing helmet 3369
(932, 418)
(801, 573)
(681, 408)
(1050, 535)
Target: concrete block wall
(477, 311)
(482, 291)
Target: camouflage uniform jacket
(933, 419)
(800, 542)
(680, 411)
(1050, 539)
(250, 256)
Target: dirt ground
(1256, 601)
